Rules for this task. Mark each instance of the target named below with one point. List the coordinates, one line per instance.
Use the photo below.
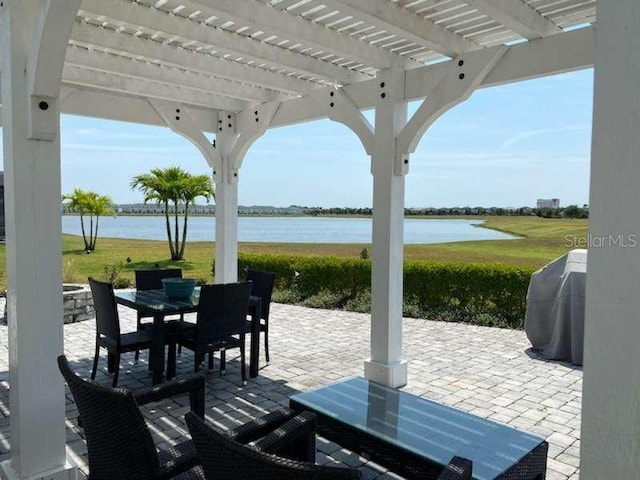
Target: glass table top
(431, 430)
(157, 300)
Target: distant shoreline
(483, 217)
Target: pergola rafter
(122, 43)
(261, 17)
(155, 22)
(146, 88)
(144, 70)
(517, 16)
(397, 21)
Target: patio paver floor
(486, 371)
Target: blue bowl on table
(178, 288)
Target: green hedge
(490, 294)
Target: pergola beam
(52, 32)
(259, 16)
(83, 77)
(114, 106)
(547, 56)
(518, 17)
(137, 16)
(144, 70)
(538, 58)
(395, 20)
(122, 43)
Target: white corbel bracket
(252, 124)
(463, 76)
(339, 107)
(233, 142)
(176, 117)
(44, 68)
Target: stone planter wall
(78, 303)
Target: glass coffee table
(417, 438)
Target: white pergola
(238, 67)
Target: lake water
(291, 229)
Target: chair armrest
(262, 426)
(458, 469)
(194, 386)
(295, 439)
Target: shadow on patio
(486, 371)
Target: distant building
(269, 210)
(548, 203)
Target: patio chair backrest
(222, 311)
(152, 279)
(225, 459)
(104, 303)
(262, 287)
(119, 443)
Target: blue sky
(505, 146)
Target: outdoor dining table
(156, 304)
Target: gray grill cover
(555, 308)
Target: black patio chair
(262, 286)
(221, 324)
(152, 280)
(287, 453)
(108, 329)
(458, 469)
(119, 443)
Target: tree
(573, 211)
(173, 186)
(92, 204)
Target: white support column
(30, 34)
(394, 140)
(386, 365)
(177, 117)
(611, 396)
(226, 179)
(234, 135)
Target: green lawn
(541, 241)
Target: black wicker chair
(262, 286)
(119, 443)
(225, 456)
(222, 314)
(287, 453)
(458, 469)
(108, 329)
(152, 280)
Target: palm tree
(76, 204)
(94, 205)
(97, 205)
(174, 186)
